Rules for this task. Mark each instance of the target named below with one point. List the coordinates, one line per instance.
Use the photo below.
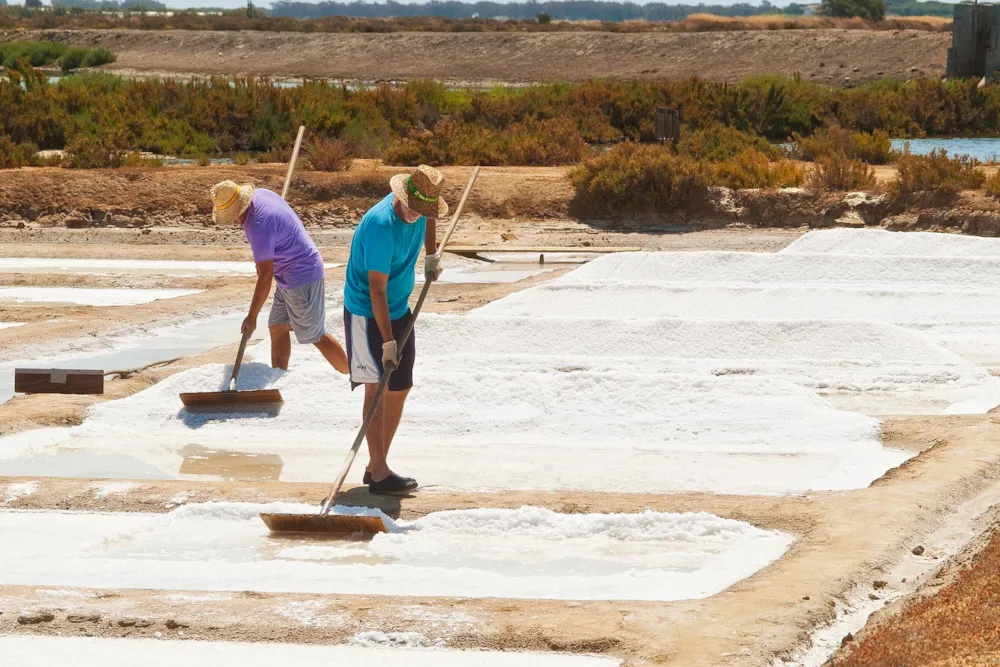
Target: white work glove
(432, 267)
(390, 356)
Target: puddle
(530, 553)
(128, 266)
(36, 651)
(230, 466)
(87, 296)
(140, 350)
(68, 463)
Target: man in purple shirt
(284, 252)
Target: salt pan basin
(87, 296)
(35, 651)
(881, 243)
(529, 553)
(130, 266)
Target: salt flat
(87, 296)
(129, 266)
(525, 553)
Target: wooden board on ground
(469, 250)
(58, 381)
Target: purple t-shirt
(275, 232)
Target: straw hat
(421, 191)
(230, 201)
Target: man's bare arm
(378, 288)
(265, 275)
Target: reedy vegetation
(425, 121)
(104, 120)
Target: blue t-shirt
(385, 243)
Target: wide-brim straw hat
(230, 200)
(421, 191)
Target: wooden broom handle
(291, 163)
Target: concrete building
(975, 42)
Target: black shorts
(364, 351)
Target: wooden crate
(58, 381)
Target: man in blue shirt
(380, 277)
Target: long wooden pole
(291, 163)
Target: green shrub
(37, 54)
(241, 159)
(72, 59)
(633, 179)
(328, 155)
(76, 58)
(871, 147)
(550, 142)
(203, 160)
(841, 173)
(134, 160)
(720, 142)
(874, 147)
(277, 155)
(15, 155)
(97, 57)
(94, 152)
(992, 184)
(753, 169)
(936, 172)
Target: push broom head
(213, 399)
(332, 525)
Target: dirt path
(832, 57)
(955, 614)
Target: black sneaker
(367, 479)
(392, 485)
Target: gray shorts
(304, 307)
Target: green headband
(418, 194)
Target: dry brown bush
(328, 155)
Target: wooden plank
(597, 250)
(224, 398)
(58, 381)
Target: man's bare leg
(387, 417)
(393, 408)
(281, 346)
(333, 352)
(375, 436)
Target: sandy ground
(834, 57)
(950, 620)
(852, 538)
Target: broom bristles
(330, 524)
